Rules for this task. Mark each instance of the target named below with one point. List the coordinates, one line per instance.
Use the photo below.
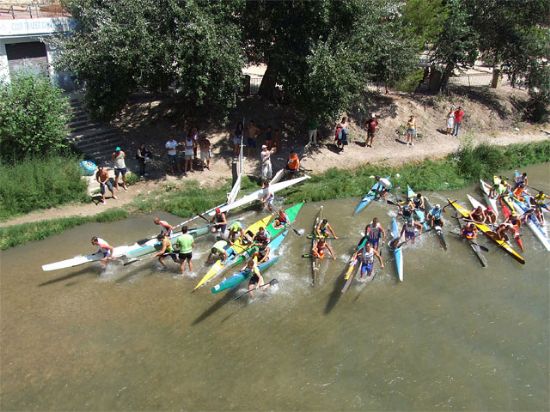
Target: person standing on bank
(237, 138)
(120, 166)
(411, 131)
(172, 152)
(102, 177)
(189, 151)
(206, 151)
(265, 157)
(459, 115)
(372, 125)
(185, 244)
(142, 156)
(312, 132)
(450, 121)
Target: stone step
(94, 132)
(108, 145)
(99, 140)
(83, 125)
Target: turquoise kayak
(397, 253)
(420, 214)
(369, 197)
(239, 277)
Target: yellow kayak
(232, 252)
(489, 233)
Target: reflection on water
(451, 336)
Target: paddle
(270, 283)
(414, 237)
(310, 236)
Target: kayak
(398, 252)
(235, 255)
(126, 252)
(239, 277)
(534, 225)
(369, 197)
(315, 262)
(486, 189)
(351, 265)
(505, 206)
(474, 246)
(488, 232)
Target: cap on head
(117, 149)
(438, 206)
(264, 146)
(218, 210)
(373, 115)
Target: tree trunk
(447, 73)
(496, 78)
(267, 87)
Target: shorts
(120, 171)
(254, 280)
(409, 235)
(107, 254)
(370, 133)
(412, 132)
(251, 142)
(171, 254)
(366, 267)
(108, 183)
(173, 159)
(374, 242)
(206, 154)
(237, 140)
(185, 256)
(438, 222)
(188, 156)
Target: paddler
(469, 231)
(293, 164)
(374, 231)
(501, 230)
(318, 249)
(409, 229)
(324, 230)
(262, 254)
(515, 221)
(366, 258)
(419, 202)
(262, 237)
(165, 250)
(185, 243)
(518, 192)
(219, 221)
(236, 231)
(521, 180)
(490, 215)
(165, 227)
(281, 219)
(407, 209)
(267, 196)
(256, 279)
(540, 203)
(384, 186)
(104, 248)
(218, 251)
(435, 216)
(477, 215)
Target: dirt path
(386, 150)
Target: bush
(33, 118)
(410, 82)
(38, 184)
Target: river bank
(453, 172)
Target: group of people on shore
(182, 155)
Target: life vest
(293, 163)
(468, 233)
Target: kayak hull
(397, 253)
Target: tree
(423, 20)
(122, 46)
(456, 46)
(33, 118)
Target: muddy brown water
(451, 336)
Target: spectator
(102, 177)
(312, 132)
(372, 125)
(189, 145)
(237, 138)
(143, 157)
(265, 157)
(206, 151)
(459, 115)
(185, 243)
(119, 158)
(450, 120)
(195, 136)
(172, 151)
(341, 135)
(253, 131)
(411, 131)
(293, 164)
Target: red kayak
(507, 212)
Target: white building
(24, 46)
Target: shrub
(33, 118)
(39, 183)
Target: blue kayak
(397, 253)
(420, 214)
(369, 197)
(239, 277)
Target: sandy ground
(491, 117)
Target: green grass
(38, 184)
(453, 172)
(19, 234)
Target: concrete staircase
(97, 141)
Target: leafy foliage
(126, 45)
(423, 20)
(33, 118)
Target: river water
(451, 336)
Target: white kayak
(486, 189)
(538, 230)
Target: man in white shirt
(172, 151)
